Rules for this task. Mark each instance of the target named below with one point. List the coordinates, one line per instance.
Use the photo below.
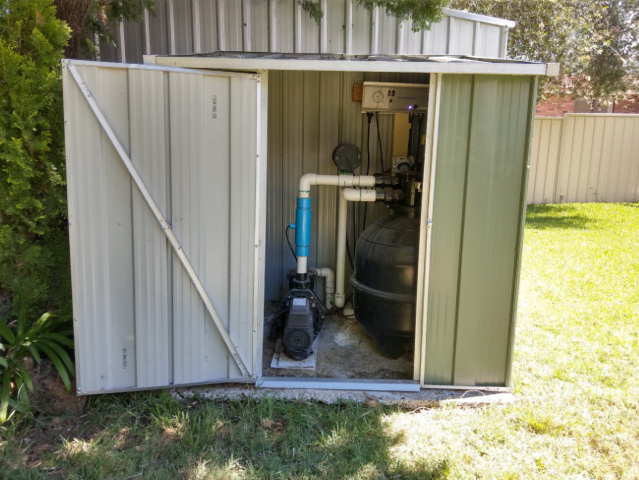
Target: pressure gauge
(378, 96)
(347, 157)
(402, 164)
(403, 167)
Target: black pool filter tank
(385, 278)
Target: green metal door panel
(484, 131)
(452, 153)
(497, 161)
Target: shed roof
(456, 64)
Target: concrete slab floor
(412, 400)
(345, 351)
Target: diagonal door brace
(164, 224)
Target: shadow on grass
(154, 436)
(543, 217)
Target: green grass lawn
(576, 380)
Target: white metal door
(166, 183)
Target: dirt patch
(58, 413)
(345, 351)
(49, 395)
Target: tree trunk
(75, 13)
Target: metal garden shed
(168, 169)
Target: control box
(394, 97)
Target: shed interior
(311, 114)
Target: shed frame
(463, 68)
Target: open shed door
(166, 182)
(482, 139)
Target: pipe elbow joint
(305, 183)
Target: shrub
(33, 238)
(47, 336)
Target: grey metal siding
(195, 26)
(151, 261)
(139, 321)
(101, 257)
(482, 155)
(302, 126)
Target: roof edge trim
(502, 22)
(350, 63)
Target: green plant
(313, 8)
(423, 13)
(48, 337)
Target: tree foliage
(423, 13)
(33, 245)
(595, 41)
(91, 20)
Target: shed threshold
(339, 384)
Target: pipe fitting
(303, 212)
(329, 277)
(359, 194)
(309, 179)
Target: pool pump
(301, 316)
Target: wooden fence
(585, 158)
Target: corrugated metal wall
(131, 298)
(585, 158)
(311, 113)
(195, 26)
(483, 143)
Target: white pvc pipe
(359, 194)
(309, 179)
(341, 251)
(329, 275)
(301, 264)
(353, 195)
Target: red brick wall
(555, 107)
(630, 105)
(560, 106)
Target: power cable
(379, 141)
(289, 241)
(368, 161)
